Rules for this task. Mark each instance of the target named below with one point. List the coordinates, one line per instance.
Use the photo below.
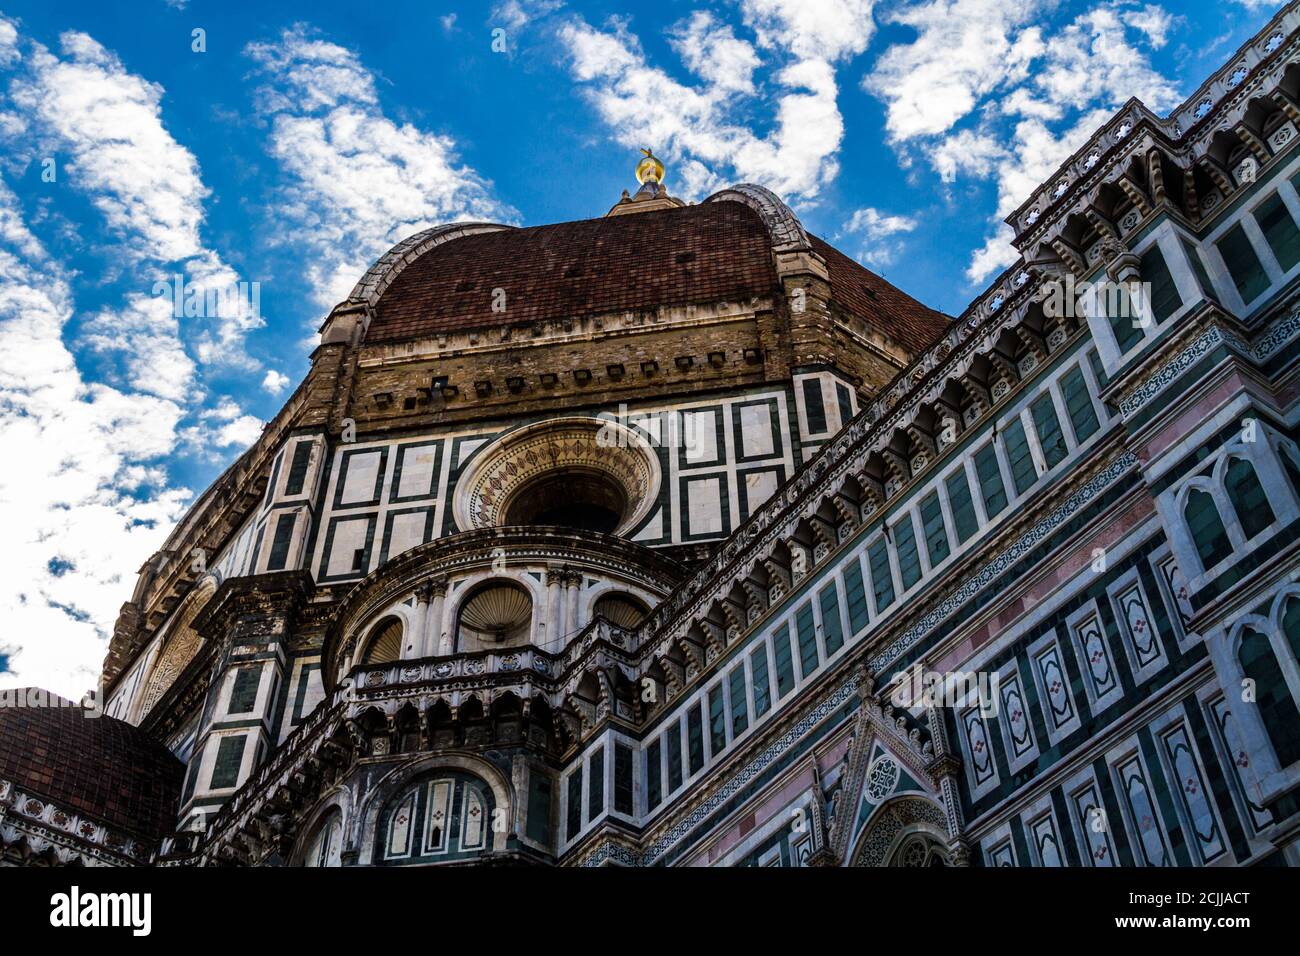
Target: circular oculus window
(587, 474)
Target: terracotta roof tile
(863, 293)
(100, 766)
(707, 253)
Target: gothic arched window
(1247, 497)
(445, 817)
(1291, 465)
(326, 845)
(1206, 526)
(1291, 625)
(919, 850)
(1277, 709)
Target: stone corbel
(1253, 143)
(1122, 266)
(1135, 194)
(1287, 104)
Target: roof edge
(390, 265)
(783, 226)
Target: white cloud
(83, 504)
(876, 228)
(970, 152)
(275, 382)
(89, 497)
(705, 129)
(517, 14)
(877, 225)
(241, 433)
(1152, 20)
(216, 430)
(995, 255)
(710, 50)
(992, 89)
(359, 182)
(812, 29)
(146, 332)
(1091, 61)
(9, 53)
(964, 50)
(148, 188)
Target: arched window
(621, 610)
(1277, 709)
(445, 817)
(1291, 625)
(1211, 538)
(385, 643)
(1291, 465)
(919, 850)
(498, 614)
(582, 500)
(1247, 497)
(181, 644)
(325, 847)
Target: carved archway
(180, 646)
(894, 824)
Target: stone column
(552, 610)
(413, 642)
(574, 580)
(435, 640)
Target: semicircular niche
(621, 610)
(498, 614)
(385, 644)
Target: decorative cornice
(39, 826)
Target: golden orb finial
(649, 169)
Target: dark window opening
(579, 500)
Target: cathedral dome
(728, 248)
(706, 253)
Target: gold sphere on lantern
(649, 170)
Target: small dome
(90, 764)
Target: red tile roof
(707, 253)
(712, 252)
(100, 766)
(864, 294)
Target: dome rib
(390, 265)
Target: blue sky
(290, 144)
